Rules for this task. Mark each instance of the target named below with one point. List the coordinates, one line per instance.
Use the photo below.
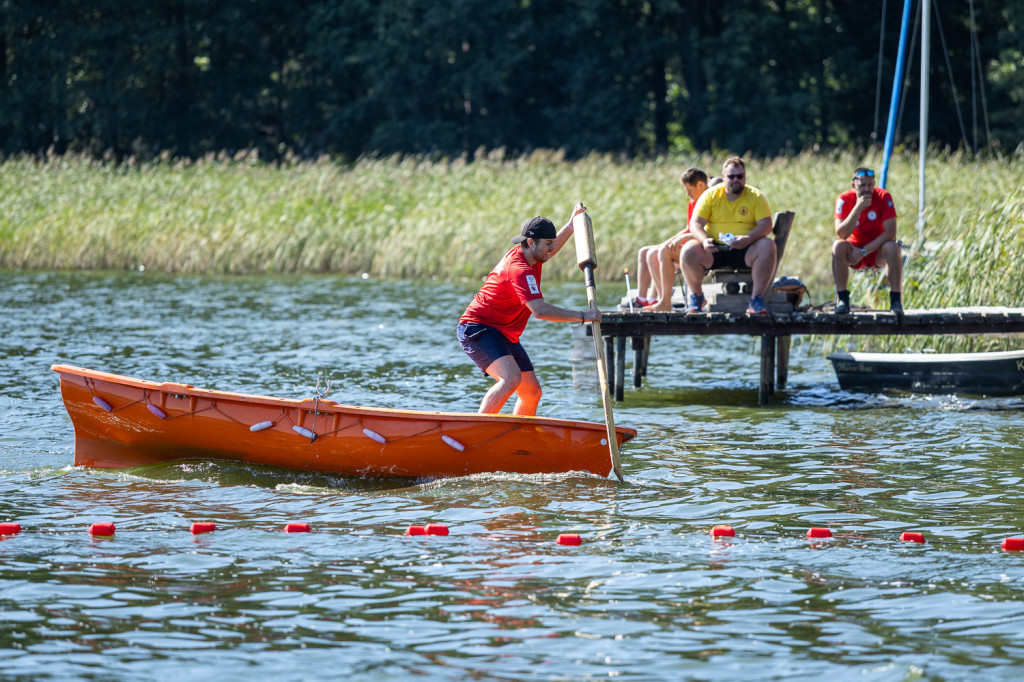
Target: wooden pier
(777, 329)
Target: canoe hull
(121, 421)
(992, 374)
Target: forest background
(313, 77)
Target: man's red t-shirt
(870, 222)
(501, 301)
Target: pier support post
(767, 386)
(639, 359)
(782, 362)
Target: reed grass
(413, 217)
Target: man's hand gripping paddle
(583, 232)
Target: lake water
(647, 596)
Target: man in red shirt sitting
(865, 238)
(489, 330)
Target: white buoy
(156, 410)
(261, 426)
(373, 435)
(102, 403)
(454, 443)
(303, 432)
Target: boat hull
(120, 422)
(992, 374)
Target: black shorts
(485, 344)
(733, 258)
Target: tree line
(356, 77)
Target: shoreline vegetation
(451, 219)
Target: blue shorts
(485, 344)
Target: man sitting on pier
(657, 264)
(866, 238)
(731, 225)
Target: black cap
(536, 228)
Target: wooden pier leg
(771, 365)
(609, 356)
(620, 368)
(639, 345)
(782, 363)
(762, 392)
(647, 352)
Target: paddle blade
(583, 232)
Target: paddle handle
(583, 232)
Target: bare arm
(563, 235)
(846, 226)
(888, 234)
(697, 230)
(543, 310)
(762, 228)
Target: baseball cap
(536, 228)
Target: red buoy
(10, 528)
(103, 529)
(569, 539)
(819, 533)
(1013, 545)
(723, 532)
(436, 529)
(912, 537)
(296, 527)
(416, 530)
(203, 527)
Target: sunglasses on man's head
(736, 176)
(864, 174)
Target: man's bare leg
(508, 378)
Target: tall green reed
(415, 217)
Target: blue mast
(890, 128)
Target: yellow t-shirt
(738, 217)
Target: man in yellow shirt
(730, 226)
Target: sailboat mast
(923, 142)
(897, 82)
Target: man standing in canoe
(489, 330)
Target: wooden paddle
(583, 231)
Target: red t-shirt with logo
(870, 222)
(501, 301)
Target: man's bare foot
(659, 307)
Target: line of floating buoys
(107, 529)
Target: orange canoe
(121, 422)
